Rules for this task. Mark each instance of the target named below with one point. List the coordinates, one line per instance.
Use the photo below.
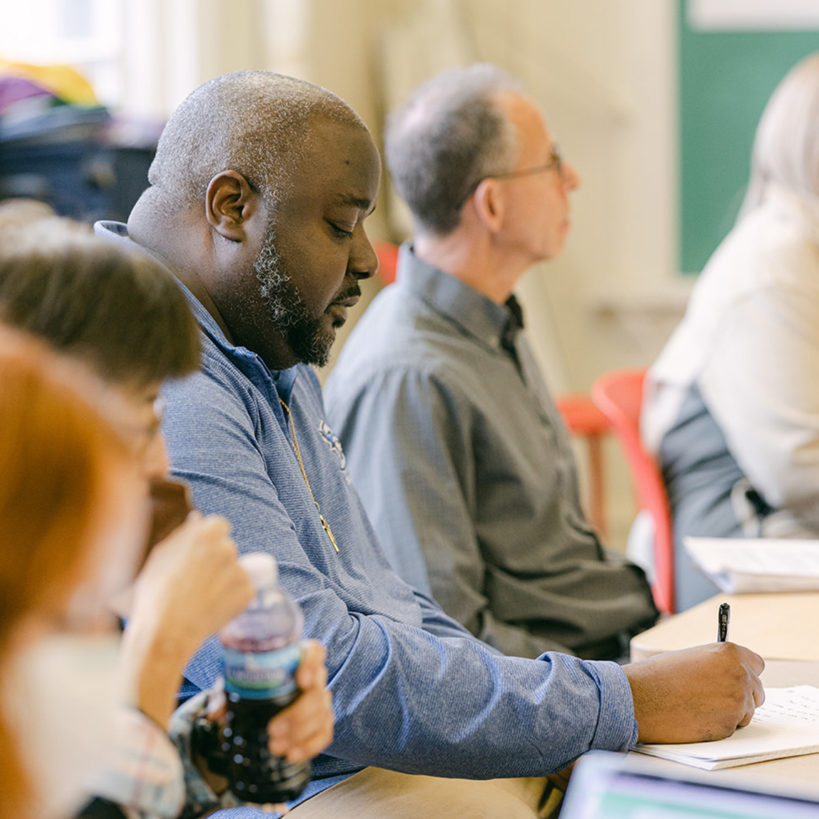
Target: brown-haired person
(120, 314)
(125, 317)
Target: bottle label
(261, 675)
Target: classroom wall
(605, 75)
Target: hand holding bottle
(304, 728)
(261, 655)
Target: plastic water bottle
(261, 654)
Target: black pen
(722, 622)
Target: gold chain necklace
(295, 445)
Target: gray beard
(286, 307)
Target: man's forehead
(340, 159)
(324, 133)
(530, 128)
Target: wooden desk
(776, 626)
(784, 629)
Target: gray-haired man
(450, 433)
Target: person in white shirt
(732, 404)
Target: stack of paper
(758, 564)
(787, 724)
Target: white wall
(604, 72)
(605, 75)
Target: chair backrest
(619, 394)
(387, 253)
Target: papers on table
(757, 564)
(787, 724)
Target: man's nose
(364, 261)
(571, 178)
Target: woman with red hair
(73, 525)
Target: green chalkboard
(725, 81)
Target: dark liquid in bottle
(254, 774)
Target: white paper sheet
(787, 724)
(757, 564)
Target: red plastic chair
(387, 253)
(584, 420)
(619, 394)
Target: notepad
(757, 564)
(787, 724)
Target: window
(85, 34)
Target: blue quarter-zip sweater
(412, 690)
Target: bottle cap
(261, 567)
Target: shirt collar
(494, 325)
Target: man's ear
(488, 203)
(230, 203)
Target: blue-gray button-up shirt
(466, 471)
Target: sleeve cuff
(616, 726)
(144, 771)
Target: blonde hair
(58, 457)
(786, 145)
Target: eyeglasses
(555, 161)
(159, 404)
(144, 429)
